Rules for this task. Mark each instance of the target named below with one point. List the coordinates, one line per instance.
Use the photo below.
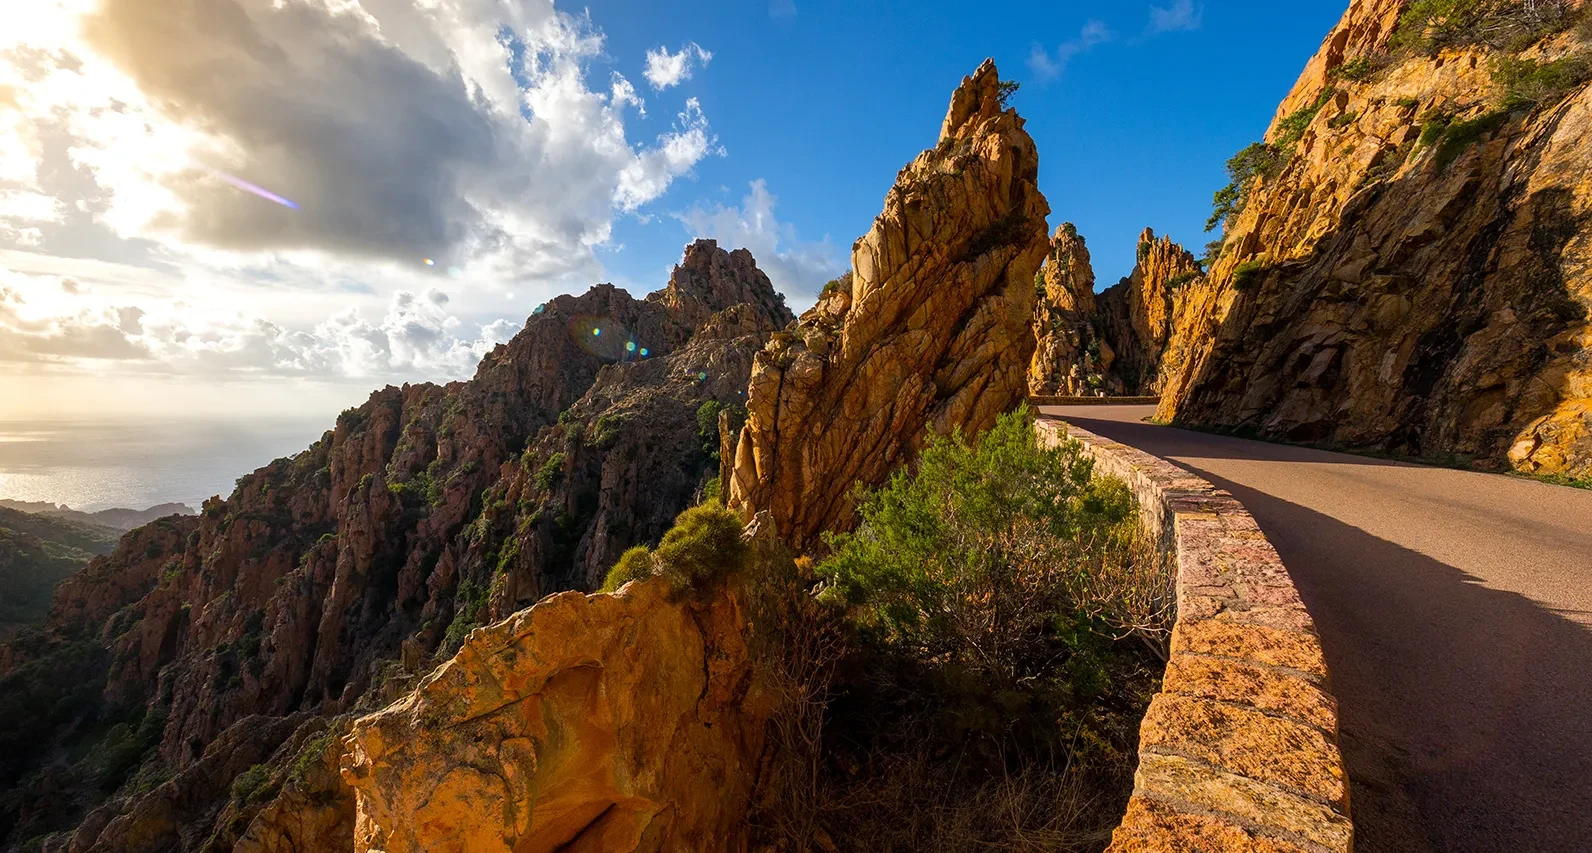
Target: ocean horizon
(136, 463)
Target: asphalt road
(1455, 609)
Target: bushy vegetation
(707, 418)
(1248, 274)
(1255, 162)
(1005, 91)
(1356, 69)
(1428, 26)
(974, 670)
(703, 546)
(469, 605)
(1458, 136)
(635, 564)
(552, 469)
(1526, 83)
(36, 554)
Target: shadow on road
(1127, 432)
(1466, 711)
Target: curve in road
(1455, 610)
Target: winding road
(1455, 609)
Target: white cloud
(797, 269)
(1181, 15)
(781, 9)
(1047, 66)
(492, 138)
(623, 93)
(416, 335)
(665, 69)
(646, 177)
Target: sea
(90, 465)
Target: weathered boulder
(930, 331)
(585, 724)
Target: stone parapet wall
(1239, 750)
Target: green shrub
(1428, 26)
(635, 564)
(1292, 128)
(1263, 160)
(1005, 91)
(1433, 125)
(1342, 120)
(1459, 136)
(1527, 83)
(1247, 274)
(938, 547)
(1182, 278)
(703, 546)
(1408, 103)
(1359, 68)
(551, 472)
(251, 784)
(469, 603)
(837, 285)
(1255, 162)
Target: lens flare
(430, 262)
(596, 332)
(630, 346)
(643, 352)
(247, 187)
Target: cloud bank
(166, 153)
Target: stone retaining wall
(1239, 750)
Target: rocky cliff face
(931, 330)
(1113, 343)
(603, 723)
(214, 640)
(1136, 314)
(1072, 356)
(1413, 272)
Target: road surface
(1455, 609)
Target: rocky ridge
(929, 330)
(1072, 356)
(218, 638)
(1114, 343)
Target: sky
(245, 207)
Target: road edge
(1239, 750)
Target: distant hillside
(37, 552)
(121, 520)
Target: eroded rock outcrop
(1072, 356)
(1137, 313)
(585, 724)
(931, 329)
(1426, 297)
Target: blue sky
(826, 104)
(452, 163)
